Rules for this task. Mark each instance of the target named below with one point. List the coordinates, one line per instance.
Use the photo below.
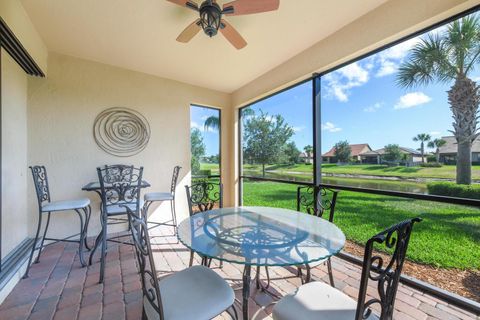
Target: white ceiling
(140, 35)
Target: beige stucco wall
(13, 13)
(61, 112)
(15, 218)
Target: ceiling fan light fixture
(210, 17)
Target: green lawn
(214, 167)
(448, 236)
(372, 170)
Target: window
(205, 129)
(277, 136)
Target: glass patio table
(260, 236)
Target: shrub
(452, 189)
(204, 172)
(431, 158)
(431, 165)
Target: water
(389, 185)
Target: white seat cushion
(196, 293)
(316, 301)
(120, 209)
(66, 205)
(158, 196)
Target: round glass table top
(261, 236)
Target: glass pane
(278, 136)
(205, 141)
(387, 119)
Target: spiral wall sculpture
(122, 132)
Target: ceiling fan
(211, 17)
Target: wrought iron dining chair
(320, 202)
(120, 187)
(153, 197)
(203, 196)
(195, 293)
(47, 207)
(317, 300)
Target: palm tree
(422, 137)
(446, 58)
(437, 143)
(308, 150)
(212, 122)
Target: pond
(401, 186)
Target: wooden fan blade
(185, 3)
(250, 6)
(232, 35)
(189, 32)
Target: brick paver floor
(58, 288)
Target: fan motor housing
(210, 17)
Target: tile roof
(356, 150)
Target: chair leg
(330, 272)
(174, 217)
(82, 238)
(95, 247)
(88, 212)
(43, 239)
(308, 277)
(190, 263)
(34, 246)
(234, 314)
(104, 248)
(144, 314)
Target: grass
(371, 170)
(448, 236)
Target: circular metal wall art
(122, 132)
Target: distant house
(306, 158)
(448, 152)
(357, 150)
(376, 156)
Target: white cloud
(330, 127)
(389, 59)
(411, 100)
(193, 124)
(435, 133)
(339, 83)
(297, 129)
(373, 108)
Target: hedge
(452, 189)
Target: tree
(197, 148)
(422, 137)
(437, 143)
(291, 152)
(212, 122)
(308, 152)
(343, 152)
(393, 153)
(264, 138)
(446, 58)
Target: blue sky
(361, 103)
(198, 115)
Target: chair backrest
(40, 180)
(204, 196)
(146, 263)
(176, 171)
(385, 269)
(120, 185)
(317, 200)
